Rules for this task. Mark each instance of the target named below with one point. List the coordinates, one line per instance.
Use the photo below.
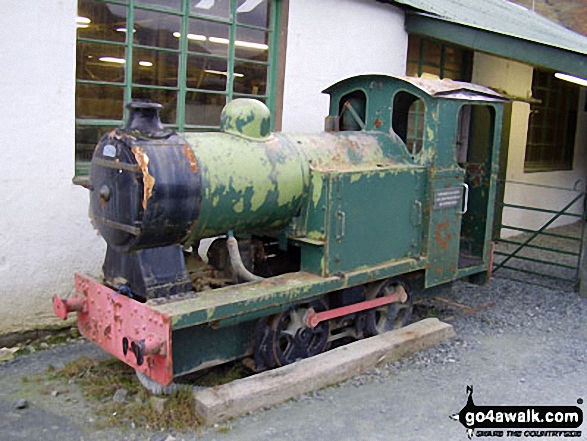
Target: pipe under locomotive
(330, 227)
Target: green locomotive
(316, 237)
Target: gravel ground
(528, 348)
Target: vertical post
(183, 67)
(506, 127)
(582, 264)
(130, 25)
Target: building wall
(45, 233)
(329, 40)
(530, 189)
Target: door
(475, 157)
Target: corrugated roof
(501, 17)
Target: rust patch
(378, 123)
(442, 237)
(189, 153)
(148, 179)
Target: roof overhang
(530, 52)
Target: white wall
(329, 40)
(45, 233)
(529, 190)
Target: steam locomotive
(316, 238)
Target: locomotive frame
(424, 151)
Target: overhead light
(250, 45)
(218, 72)
(125, 30)
(219, 40)
(239, 43)
(195, 37)
(82, 22)
(145, 64)
(570, 78)
(112, 60)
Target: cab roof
(433, 87)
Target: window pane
(408, 114)
(100, 62)
(98, 102)
(551, 133)
(432, 52)
(250, 78)
(170, 4)
(437, 59)
(414, 48)
(412, 69)
(207, 37)
(251, 44)
(156, 29)
(86, 138)
(155, 68)
(101, 21)
(253, 12)
(167, 98)
(214, 8)
(415, 136)
(206, 73)
(203, 109)
(452, 59)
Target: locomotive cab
(450, 128)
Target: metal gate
(548, 256)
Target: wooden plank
(278, 385)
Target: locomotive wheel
(293, 340)
(392, 316)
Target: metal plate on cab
(447, 198)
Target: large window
(192, 56)
(433, 57)
(552, 126)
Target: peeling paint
(442, 237)
(317, 185)
(188, 152)
(148, 179)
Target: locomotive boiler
(316, 238)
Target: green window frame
(552, 124)
(428, 56)
(192, 56)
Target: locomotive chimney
(144, 118)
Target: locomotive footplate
(127, 329)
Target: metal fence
(547, 255)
